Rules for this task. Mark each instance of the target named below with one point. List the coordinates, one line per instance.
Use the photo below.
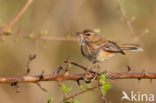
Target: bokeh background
(62, 18)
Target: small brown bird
(97, 49)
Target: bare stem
(13, 21)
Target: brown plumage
(98, 49)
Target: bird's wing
(111, 46)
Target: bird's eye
(88, 34)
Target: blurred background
(62, 18)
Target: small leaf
(104, 91)
(97, 30)
(66, 102)
(102, 82)
(9, 32)
(108, 86)
(31, 36)
(103, 77)
(74, 100)
(50, 100)
(83, 88)
(66, 89)
(43, 32)
(89, 85)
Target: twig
(31, 57)
(81, 92)
(127, 20)
(38, 84)
(58, 38)
(82, 67)
(102, 96)
(18, 16)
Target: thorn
(41, 76)
(78, 82)
(31, 57)
(129, 68)
(17, 88)
(15, 84)
(58, 70)
(139, 79)
(59, 84)
(38, 84)
(150, 81)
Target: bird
(98, 49)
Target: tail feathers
(131, 47)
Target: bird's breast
(104, 55)
(88, 52)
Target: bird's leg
(88, 68)
(87, 72)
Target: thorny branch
(14, 81)
(63, 77)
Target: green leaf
(66, 102)
(103, 77)
(89, 85)
(74, 100)
(31, 36)
(50, 100)
(9, 32)
(66, 89)
(104, 91)
(83, 88)
(97, 30)
(102, 82)
(104, 85)
(43, 32)
(108, 86)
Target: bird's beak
(79, 33)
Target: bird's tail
(131, 47)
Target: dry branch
(63, 77)
(81, 92)
(18, 16)
(127, 20)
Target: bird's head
(86, 35)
